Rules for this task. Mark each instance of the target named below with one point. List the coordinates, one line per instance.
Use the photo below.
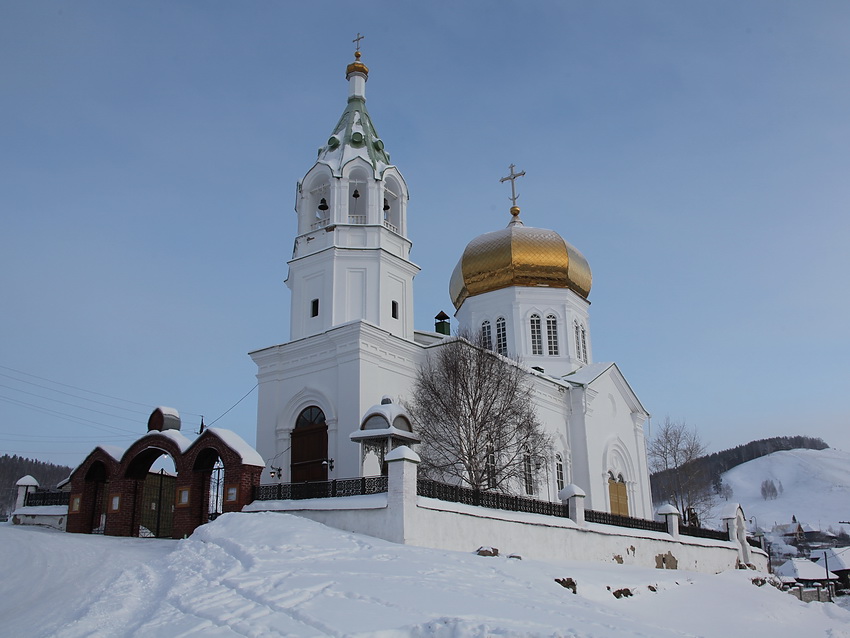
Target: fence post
(573, 497)
(26, 484)
(671, 516)
(402, 466)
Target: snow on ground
(813, 485)
(272, 574)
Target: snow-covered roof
(804, 569)
(27, 480)
(389, 431)
(587, 374)
(179, 439)
(838, 558)
(388, 409)
(115, 451)
(248, 454)
(168, 411)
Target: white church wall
(615, 444)
(344, 371)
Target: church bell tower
(351, 256)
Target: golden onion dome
(518, 256)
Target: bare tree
(473, 410)
(673, 453)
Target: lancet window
(552, 335)
(501, 336)
(486, 335)
(536, 335)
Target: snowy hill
(271, 574)
(813, 485)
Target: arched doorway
(618, 494)
(309, 451)
(155, 476)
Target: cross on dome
(356, 40)
(512, 177)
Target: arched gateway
(114, 491)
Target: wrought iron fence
(701, 532)
(606, 518)
(321, 489)
(495, 500)
(47, 497)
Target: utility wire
(237, 403)
(100, 394)
(73, 405)
(69, 394)
(80, 420)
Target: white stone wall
(402, 516)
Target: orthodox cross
(512, 178)
(357, 40)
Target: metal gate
(98, 516)
(216, 490)
(157, 507)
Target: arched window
(528, 474)
(583, 344)
(559, 472)
(501, 336)
(552, 335)
(486, 336)
(536, 335)
(310, 416)
(578, 340)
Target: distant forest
(13, 468)
(713, 465)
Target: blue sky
(696, 153)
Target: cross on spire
(512, 178)
(356, 40)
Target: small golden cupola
(518, 255)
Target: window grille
(536, 335)
(486, 336)
(583, 344)
(501, 336)
(559, 472)
(552, 335)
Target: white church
(353, 353)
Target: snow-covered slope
(271, 574)
(813, 485)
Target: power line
(100, 394)
(75, 396)
(237, 403)
(80, 420)
(73, 405)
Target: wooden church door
(309, 451)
